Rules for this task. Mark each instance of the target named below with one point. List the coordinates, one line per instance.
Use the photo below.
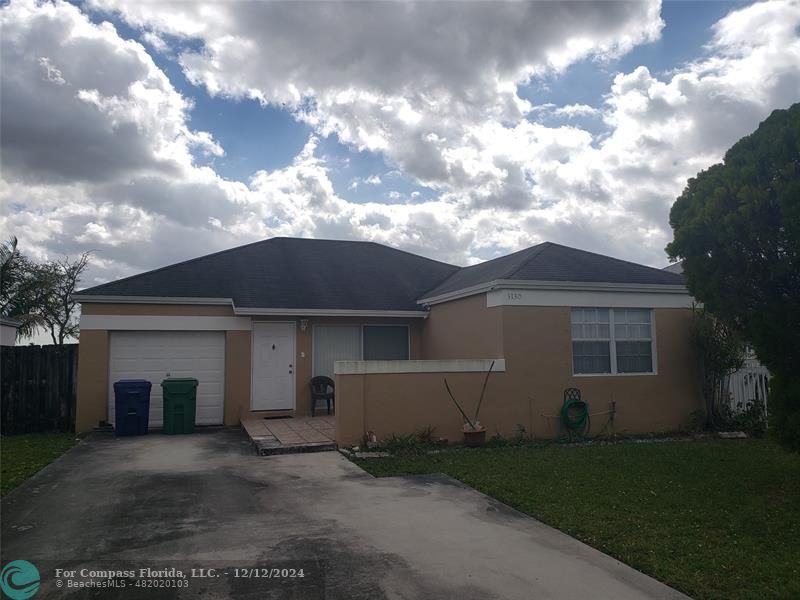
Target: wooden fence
(38, 388)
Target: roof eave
(285, 312)
(111, 299)
(331, 312)
(577, 286)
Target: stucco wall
(404, 403)
(237, 376)
(92, 403)
(538, 354)
(463, 328)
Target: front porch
(288, 435)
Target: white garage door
(155, 355)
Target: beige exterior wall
(237, 376)
(408, 402)
(537, 347)
(92, 403)
(94, 351)
(463, 328)
(538, 351)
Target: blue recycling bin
(132, 406)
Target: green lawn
(21, 456)
(712, 519)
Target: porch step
(290, 436)
(269, 446)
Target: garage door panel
(151, 355)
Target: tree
(737, 230)
(721, 352)
(58, 309)
(23, 289)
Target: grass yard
(712, 519)
(21, 456)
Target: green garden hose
(575, 417)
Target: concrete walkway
(206, 501)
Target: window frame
(361, 327)
(612, 341)
(408, 336)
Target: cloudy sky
(150, 132)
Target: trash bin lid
(179, 381)
(132, 383)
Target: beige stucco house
(255, 323)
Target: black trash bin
(131, 406)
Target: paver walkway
(291, 435)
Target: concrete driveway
(206, 502)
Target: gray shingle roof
(325, 274)
(553, 262)
(294, 273)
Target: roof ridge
(606, 256)
(400, 250)
(534, 251)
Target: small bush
(749, 417)
(412, 443)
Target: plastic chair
(319, 391)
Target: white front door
(273, 366)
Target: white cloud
(98, 154)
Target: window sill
(614, 374)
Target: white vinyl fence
(749, 383)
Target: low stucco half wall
(388, 397)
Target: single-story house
(255, 323)
(8, 332)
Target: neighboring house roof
(549, 262)
(9, 322)
(674, 267)
(293, 273)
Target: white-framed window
(358, 342)
(612, 341)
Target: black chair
(319, 391)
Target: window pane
(590, 324)
(632, 324)
(332, 343)
(634, 357)
(385, 342)
(591, 357)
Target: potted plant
(474, 432)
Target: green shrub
(784, 410)
(749, 417)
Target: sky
(153, 132)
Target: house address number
(514, 296)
